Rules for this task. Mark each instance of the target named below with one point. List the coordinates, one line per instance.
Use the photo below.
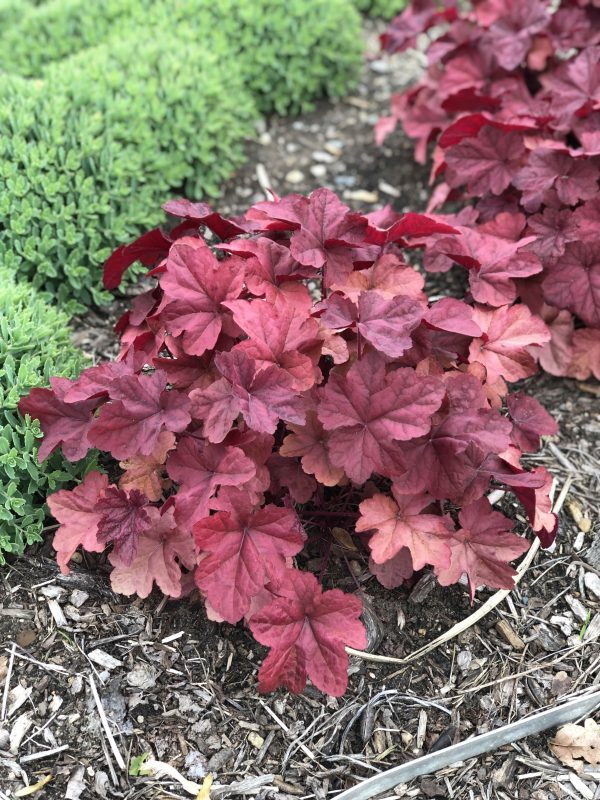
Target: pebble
(322, 157)
(294, 176)
(592, 582)
(256, 740)
(380, 66)
(78, 597)
(292, 147)
(318, 170)
(362, 196)
(265, 138)
(387, 188)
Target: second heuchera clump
(287, 363)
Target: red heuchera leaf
(65, 425)
(482, 548)
(203, 213)
(398, 522)
(538, 506)
(288, 474)
(409, 225)
(487, 162)
(123, 517)
(144, 472)
(449, 463)
(307, 630)
(309, 442)
(508, 332)
(149, 248)
(367, 409)
(493, 263)
(389, 277)
(573, 179)
(324, 230)
(132, 425)
(530, 421)
(386, 323)
(280, 334)
(585, 359)
(97, 381)
(195, 285)
(395, 572)
(453, 316)
(199, 469)
(75, 509)
(573, 281)
(261, 397)
(246, 549)
(161, 551)
(515, 23)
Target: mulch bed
(178, 686)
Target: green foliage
(90, 149)
(386, 9)
(88, 155)
(34, 345)
(288, 53)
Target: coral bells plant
(511, 103)
(285, 374)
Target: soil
(173, 684)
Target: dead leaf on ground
(3, 667)
(575, 745)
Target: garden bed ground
(183, 688)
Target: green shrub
(34, 345)
(288, 53)
(88, 154)
(386, 9)
(89, 151)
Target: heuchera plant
(287, 374)
(511, 101)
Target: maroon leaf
(123, 517)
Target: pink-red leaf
(367, 409)
(75, 509)
(246, 548)
(307, 630)
(132, 425)
(162, 550)
(530, 421)
(65, 425)
(482, 549)
(399, 522)
(124, 516)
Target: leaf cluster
(280, 361)
(511, 100)
(34, 344)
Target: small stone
(78, 597)
(318, 171)
(579, 541)
(255, 739)
(362, 196)
(265, 138)
(387, 188)
(294, 176)
(26, 637)
(142, 676)
(334, 146)
(292, 147)
(592, 582)
(463, 660)
(323, 157)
